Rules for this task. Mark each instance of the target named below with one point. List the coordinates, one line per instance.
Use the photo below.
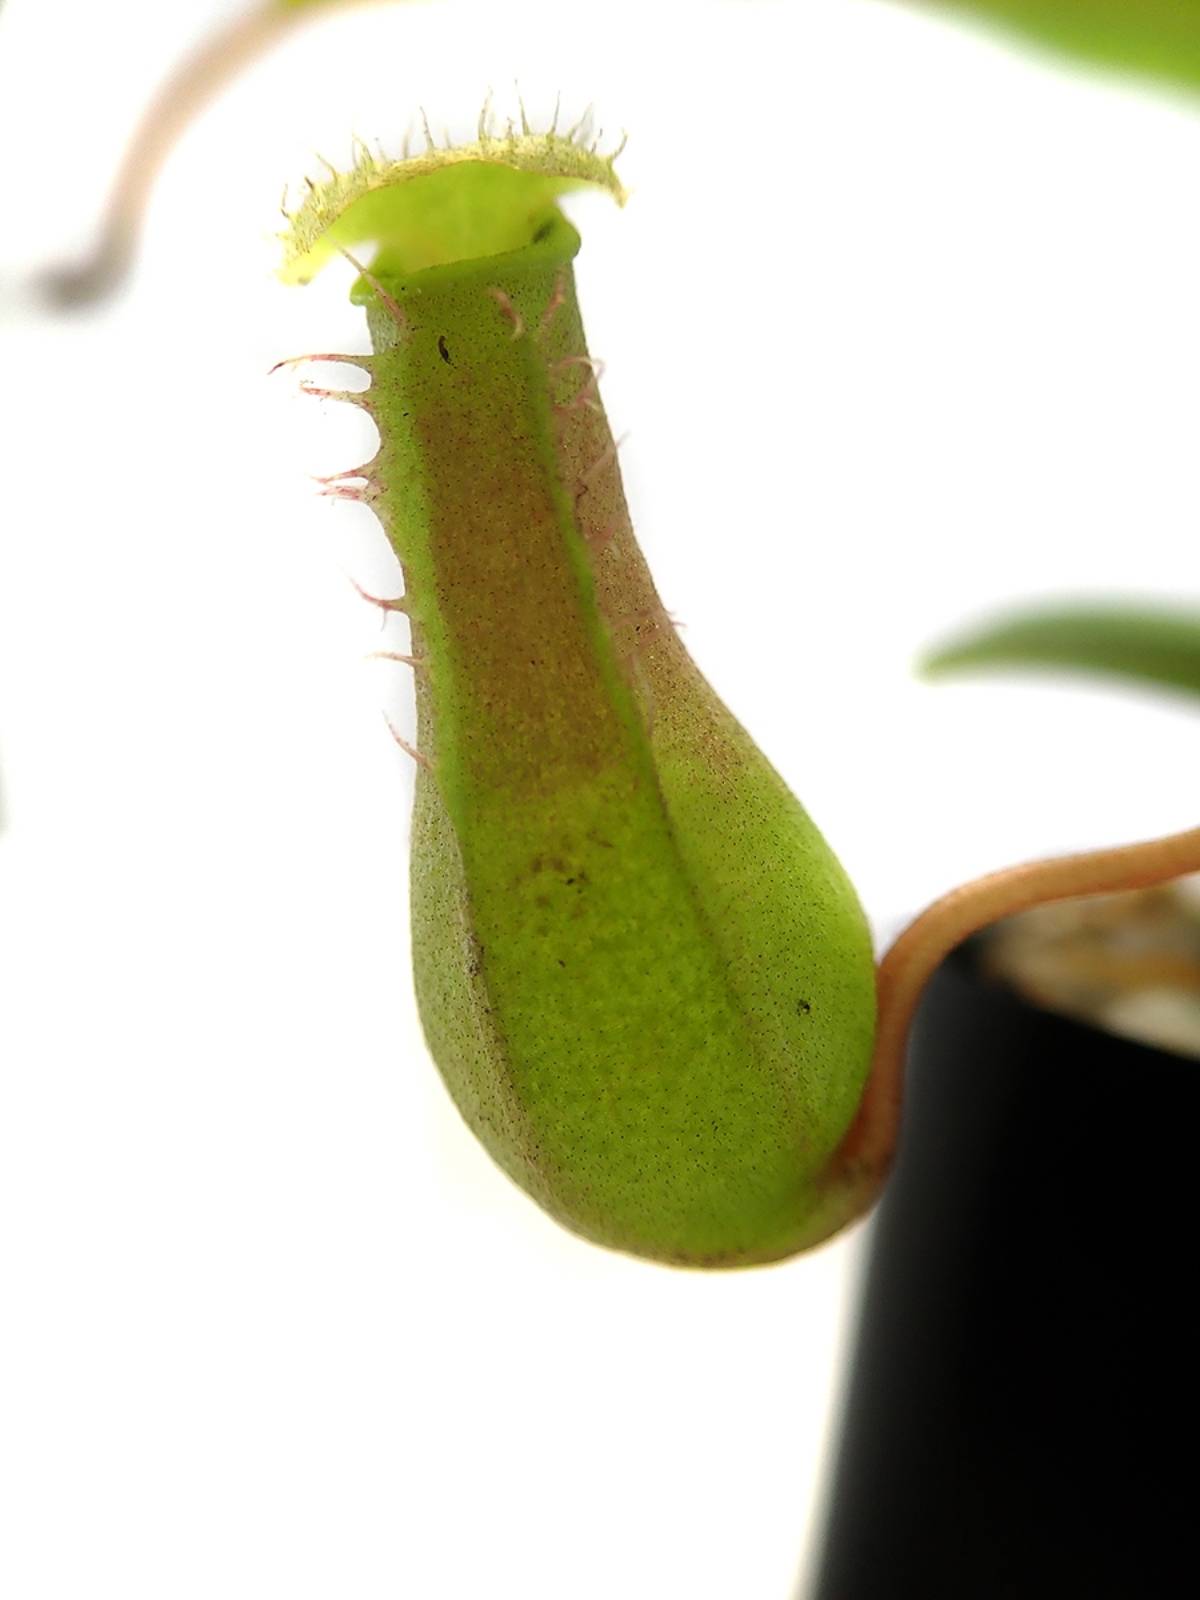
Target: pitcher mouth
(446, 207)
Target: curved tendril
(190, 87)
(914, 957)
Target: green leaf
(1149, 644)
(1151, 38)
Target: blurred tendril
(196, 81)
(1158, 39)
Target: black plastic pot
(1022, 1416)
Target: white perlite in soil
(1129, 963)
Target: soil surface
(1129, 963)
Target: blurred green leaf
(1155, 38)
(1148, 644)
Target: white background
(900, 323)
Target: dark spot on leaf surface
(442, 351)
